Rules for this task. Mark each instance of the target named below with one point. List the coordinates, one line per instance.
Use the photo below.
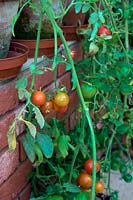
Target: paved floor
(125, 189)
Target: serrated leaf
(22, 83)
(69, 187)
(39, 117)
(63, 144)
(46, 144)
(29, 149)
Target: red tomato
(61, 109)
(99, 188)
(84, 180)
(61, 99)
(47, 108)
(38, 98)
(88, 166)
(103, 30)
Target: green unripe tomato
(88, 91)
(127, 178)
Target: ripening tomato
(103, 30)
(47, 108)
(38, 98)
(88, 166)
(99, 188)
(84, 180)
(60, 109)
(88, 91)
(61, 99)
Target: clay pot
(71, 32)
(11, 65)
(46, 47)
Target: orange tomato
(84, 180)
(38, 98)
(99, 188)
(47, 108)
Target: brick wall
(15, 166)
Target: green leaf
(78, 7)
(11, 135)
(55, 197)
(94, 31)
(28, 149)
(69, 187)
(93, 18)
(126, 88)
(85, 7)
(101, 17)
(73, 79)
(31, 128)
(63, 144)
(22, 83)
(124, 128)
(84, 150)
(68, 67)
(46, 144)
(61, 172)
(39, 117)
(83, 196)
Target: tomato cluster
(84, 179)
(59, 102)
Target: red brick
(41, 80)
(15, 183)
(22, 154)
(72, 120)
(61, 69)
(25, 194)
(65, 80)
(8, 163)
(8, 97)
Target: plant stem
(36, 49)
(76, 151)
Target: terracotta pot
(11, 65)
(71, 32)
(46, 47)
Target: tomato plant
(47, 107)
(61, 99)
(88, 91)
(103, 30)
(60, 109)
(84, 180)
(38, 98)
(99, 187)
(88, 166)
